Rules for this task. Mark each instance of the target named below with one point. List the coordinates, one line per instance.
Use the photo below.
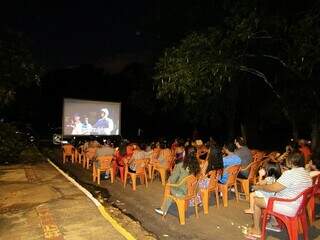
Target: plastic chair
(68, 151)
(103, 163)
(163, 169)
(183, 202)
(291, 223)
(213, 187)
(258, 156)
(89, 155)
(231, 182)
(316, 193)
(245, 182)
(140, 172)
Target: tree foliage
(17, 66)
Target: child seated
(268, 174)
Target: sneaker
(159, 211)
(273, 228)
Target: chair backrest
(141, 165)
(258, 155)
(214, 177)
(105, 161)
(232, 173)
(316, 184)
(306, 195)
(68, 149)
(191, 183)
(91, 152)
(167, 155)
(254, 166)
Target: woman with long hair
(190, 166)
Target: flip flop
(252, 236)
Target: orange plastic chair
(291, 223)
(231, 182)
(140, 172)
(163, 169)
(153, 160)
(258, 156)
(68, 151)
(89, 155)
(245, 182)
(213, 187)
(311, 204)
(79, 154)
(103, 163)
(183, 202)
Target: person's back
(295, 180)
(230, 160)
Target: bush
(11, 143)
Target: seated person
(138, 153)
(290, 184)
(245, 155)
(189, 166)
(230, 160)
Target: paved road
(223, 223)
(37, 202)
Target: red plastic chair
(291, 223)
(316, 193)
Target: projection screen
(83, 117)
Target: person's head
(86, 119)
(190, 161)
(229, 148)
(240, 142)
(76, 117)
(272, 169)
(295, 159)
(123, 148)
(104, 112)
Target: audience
(230, 160)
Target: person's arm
(274, 187)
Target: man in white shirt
(291, 183)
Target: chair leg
(236, 192)
(205, 201)
(94, 173)
(181, 209)
(150, 170)
(98, 173)
(134, 181)
(145, 175)
(111, 174)
(304, 224)
(125, 178)
(217, 198)
(163, 176)
(263, 226)
(224, 190)
(196, 206)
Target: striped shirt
(295, 181)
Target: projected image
(83, 117)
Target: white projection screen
(83, 117)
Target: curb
(100, 207)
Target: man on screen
(77, 125)
(104, 125)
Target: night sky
(66, 33)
